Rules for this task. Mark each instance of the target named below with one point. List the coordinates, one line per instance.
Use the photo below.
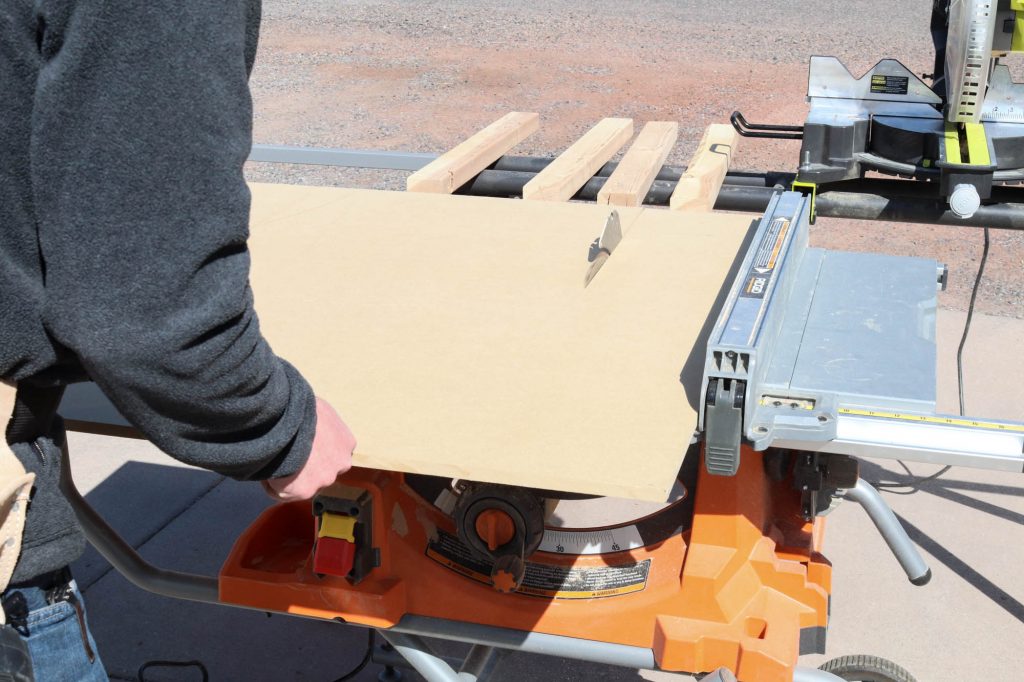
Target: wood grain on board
(456, 167)
(564, 176)
(698, 188)
(633, 177)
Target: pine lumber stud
(698, 188)
(564, 176)
(459, 165)
(633, 177)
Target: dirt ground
(396, 75)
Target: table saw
(506, 357)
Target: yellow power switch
(337, 526)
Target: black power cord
(141, 674)
(915, 483)
(967, 324)
(351, 674)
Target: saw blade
(595, 265)
(610, 237)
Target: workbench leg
(478, 664)
(417, 652)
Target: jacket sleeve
(141, 124)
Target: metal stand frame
(892, 531)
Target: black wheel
(866, 669)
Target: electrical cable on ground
(351, 674)
(141, 674)
(915, 483)
(967, 324)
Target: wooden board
(456, 338)
(564, 176)
(698, 188)
(633, 177)
(455, 168)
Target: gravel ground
(422, 76)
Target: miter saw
(814, 358)
(964, 132)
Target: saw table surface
(455, 336)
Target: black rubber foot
(922, 580)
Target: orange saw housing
(739, 584)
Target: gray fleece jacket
(123, 227)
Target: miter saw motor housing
(965, 131)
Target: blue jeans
(56, 639)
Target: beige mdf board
(633, 177)
(564, 176)
(456, 167)
(455, 336)
(698, 188)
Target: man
(123, 226)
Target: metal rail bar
(765, 130)
(865, 199)
(478, 663)
(535, 164)
(123, 556)
(350, 158)
(892, 531)
(868, 199)
(412, 161)
(741, 197)
(916, 441)
(416, 651)
(869, 206)
(530, 642)
(390, 657)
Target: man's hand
(330, 457)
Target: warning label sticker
(544, 580)
(890, 85)
(763, 268)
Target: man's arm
(142, 121)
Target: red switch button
(334, 557)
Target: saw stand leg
(476, 667)
(891, 530)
